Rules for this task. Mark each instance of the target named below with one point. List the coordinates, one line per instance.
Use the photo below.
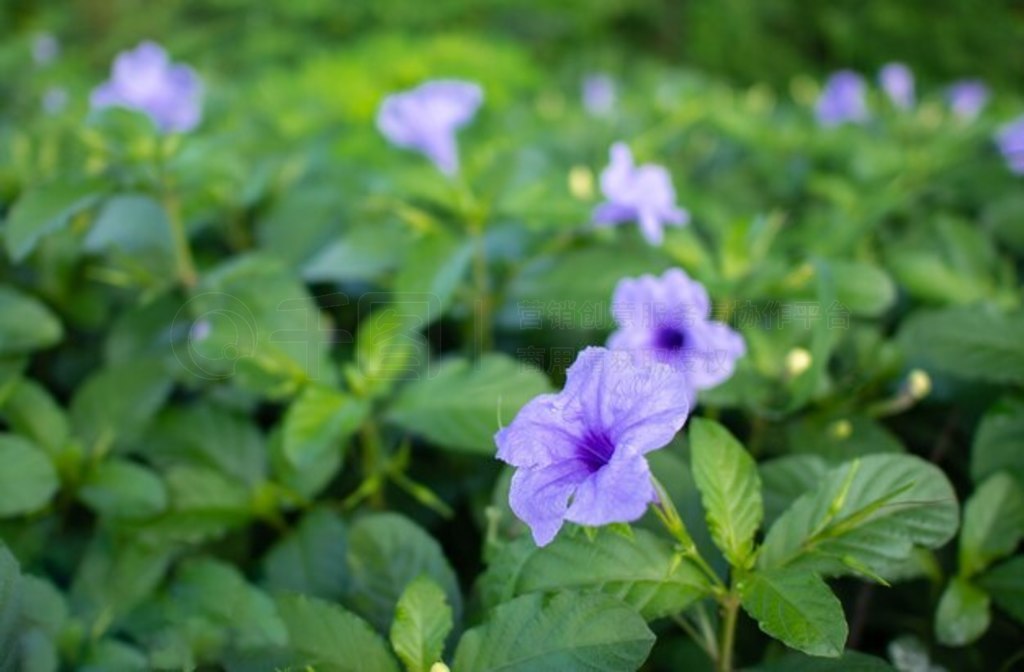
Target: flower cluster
(579, 454)
(145, 80)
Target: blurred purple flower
(45, 49)
(426, 118)
(579, 454)
(1010, 140)
(55, 99)
(898, 83)
(144, 79)
(598, 94)
(669, 318)
(641, 193)
(967, 98)
(842, 100)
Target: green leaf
(730, 488)
(25, 323)
(364, 252)
(426, 284)
(208, 436)
(333, 639)
(137, 226)
(1005, 583)
(111, 654)
(865, 517)
(569, 632)
(785, 478)
(10, 609)
(580, 281)
(311, 560)
(976, 343)
(263, 329)
(461, 406)
(863, 289)
(115, 404)
(993, 523)
(33, 412)
(322, 419)
(44, 210)
(796, 607)
(997, 441)
(387, 346)
(43, 606)
(385, 552)
(423, 620)
(850, 661)
(28, 479)
(218, 593)
(122, 489)
(114, 577)
(963, 614)
(643, 570)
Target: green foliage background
(250, 502)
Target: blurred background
(745, 41)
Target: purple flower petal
(144, 79)
(967, 98)
(1010, 140)
(641, 193)
(539, 496)
(668, 318)
(842, 100)
(620, 490)
(586, 444)
(898, 83)
(598, 95)
(426, 119)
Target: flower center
(595, 449)
(669, 339)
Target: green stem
(731, 609)
(371, 463)
(669, 516)
(182, 252)
(482, 307)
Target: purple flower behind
(45, 49)
(898, 83)
(579, 454)
(669, 318)
(1010, 140)
(641, 193)
(967, 98)
(598, 94)
(144, 79)
(426, 118)
(842, 100)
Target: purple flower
(967, 98)
(45, 49)
(898, 83)
(598, 94)
(426, 118)
(842, 99)
(144, 79)
(579, 454)
(641, 193)
(1010, 139)
(669, 318)
(55, 99)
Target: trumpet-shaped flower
(144, 79)
(641, 193)
(579, 454)
(426, 118)
(898, 83)
(967, 98)
(669, 317)
(842, 100)
(598, 95)
(1010, 140)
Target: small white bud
(919, 384)
(581, 183)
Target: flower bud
(798, 360)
